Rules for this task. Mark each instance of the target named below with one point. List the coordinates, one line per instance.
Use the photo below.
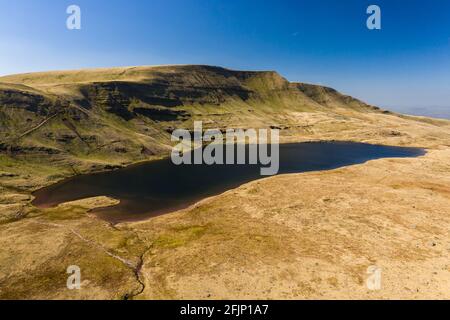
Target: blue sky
(406, 64)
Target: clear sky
(406, 64)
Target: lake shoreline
(42, 197)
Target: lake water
(159, 187)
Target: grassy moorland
(310, 235)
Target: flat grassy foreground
(301, 236)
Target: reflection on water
(159, 187)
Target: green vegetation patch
(180, 236)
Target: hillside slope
(91, 119)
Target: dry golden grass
(300, 236)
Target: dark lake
(159, 187)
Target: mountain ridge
(165, 85)
(142, 73)
(94, 119)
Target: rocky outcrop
(122, 113)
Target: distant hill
(432, 111)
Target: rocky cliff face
(120, 115)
